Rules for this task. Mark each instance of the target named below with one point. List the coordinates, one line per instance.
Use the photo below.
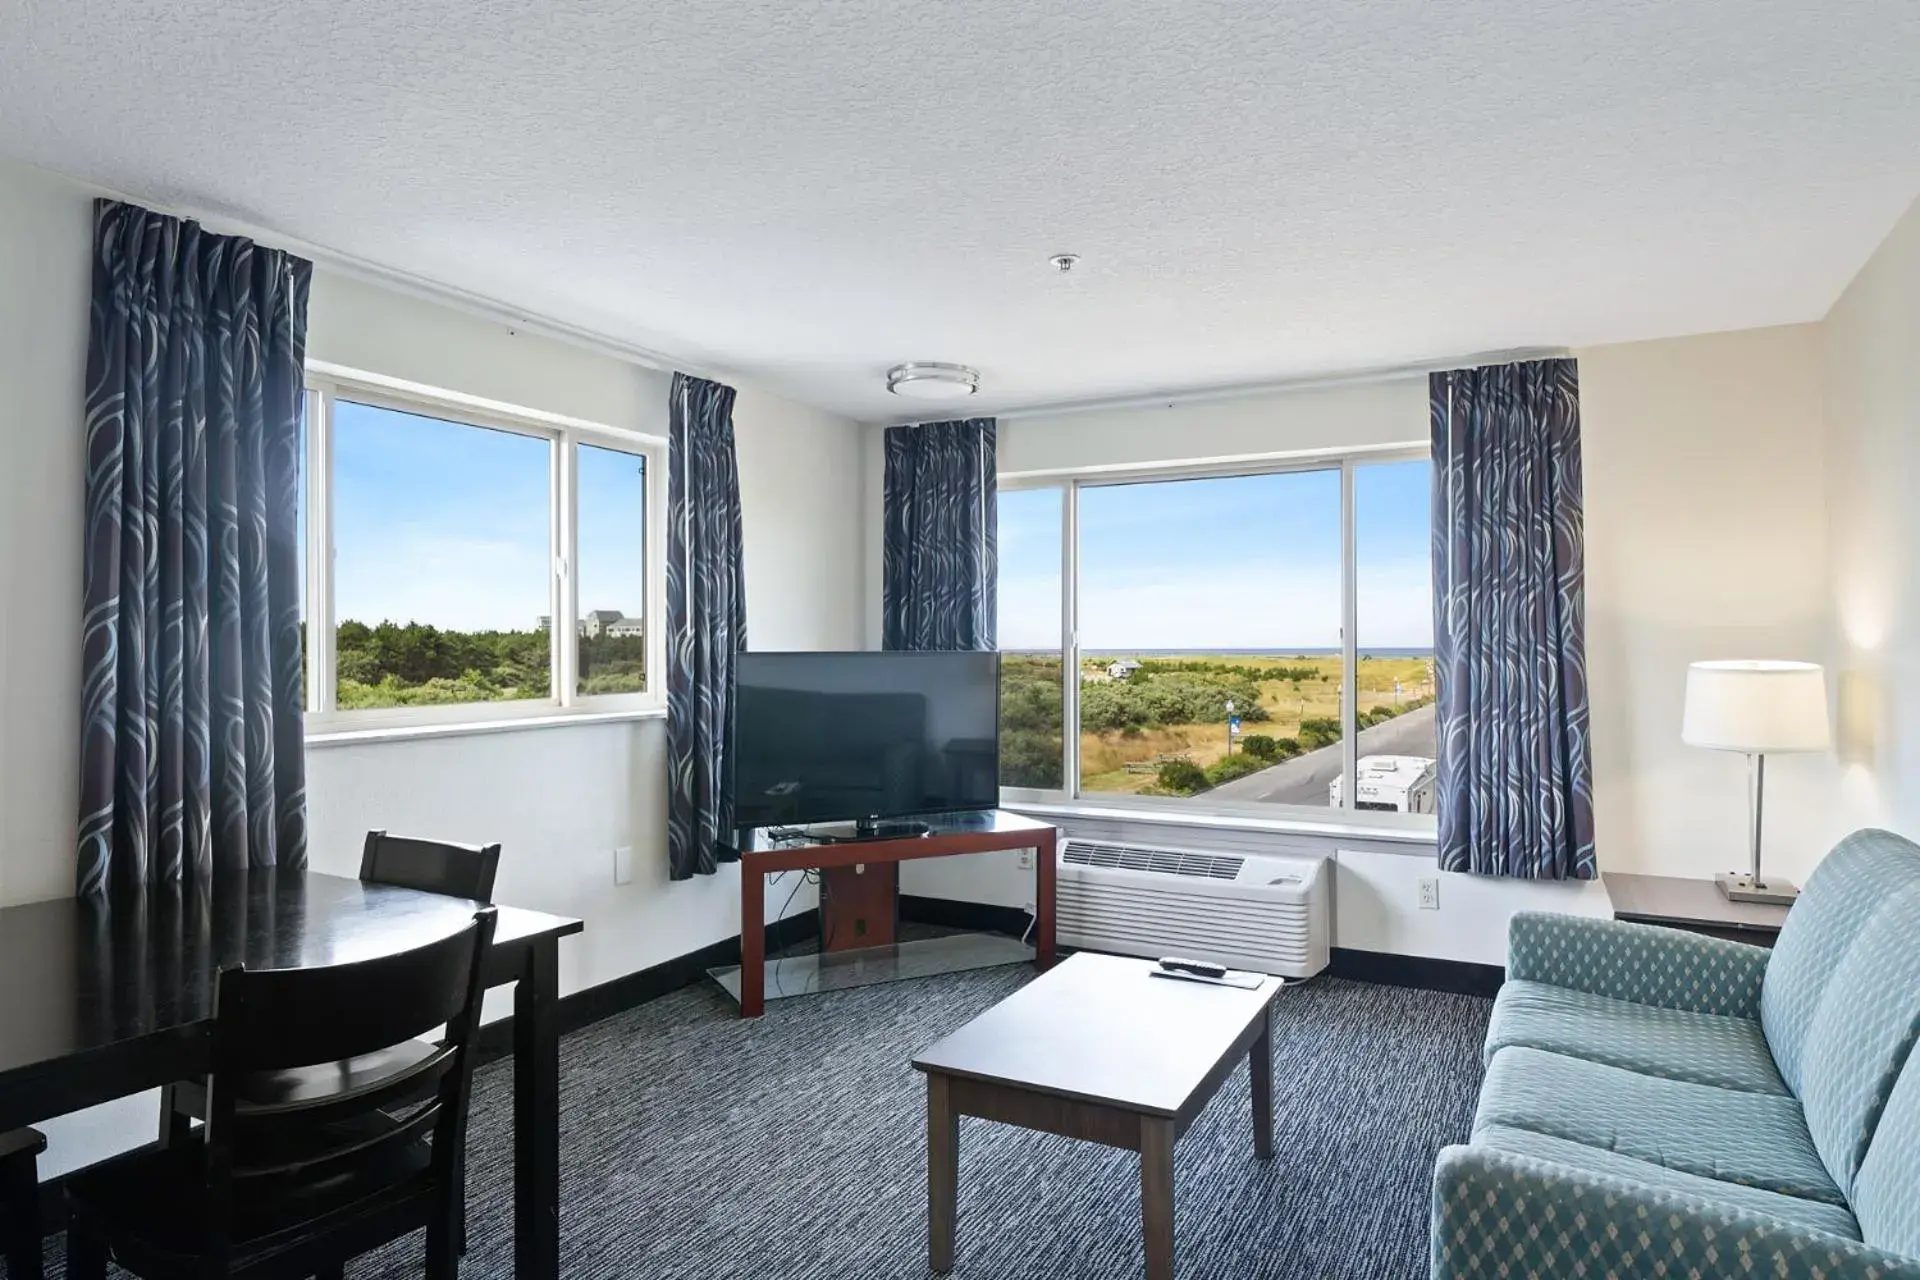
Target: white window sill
(334, 737)
(1419, 841)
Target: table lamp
(1758, 708)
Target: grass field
(1290, 689)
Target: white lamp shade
(1758, 707)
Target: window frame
(1198, 808)
(326, 384)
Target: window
(440, 579)
(1206, 620)
(1028, 611)
(613, 571)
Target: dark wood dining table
(106, 997)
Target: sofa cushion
(1862, 1033)
(1841, 895)
(1814, 1215)
(1886, 1191)
(1752, 1139)
(1704, 1048)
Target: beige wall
(1872, 367)
(1706, 538)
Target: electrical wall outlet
(1429, 893)
(623, 865)
(1026, 859)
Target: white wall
(1357, 415)
(44, 247)
(1872, 367)
(560, 800)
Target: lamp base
(1738, 886)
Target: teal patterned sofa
(1662, 1104)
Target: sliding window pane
(1393, 567)
(613, 571)
(1032, 743)
(442, 560)
(1210, 638)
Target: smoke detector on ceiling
(931, 380)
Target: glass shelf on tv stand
(869, 966)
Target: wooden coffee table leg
(1260, 1067)
(1156, 1195)
(943, 1172)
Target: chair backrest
(275, 1152)
(432, 866)
(1841, 999)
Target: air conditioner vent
(1261, 911)
(1165, 862)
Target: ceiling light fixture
(1064, 262)
(931, 380)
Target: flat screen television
(864, 737)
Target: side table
(1697, 906)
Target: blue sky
(446, 524)
(1245, 562)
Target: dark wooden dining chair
(20, 1152)
(432, 866)
(294, 1182)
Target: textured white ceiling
(807, 193)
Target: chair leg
(86, 1250)
(443, 1255)
(21, 1192)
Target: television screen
(829, 737)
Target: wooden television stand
(860, 879)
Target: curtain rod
(417, 287)
(1251, 390)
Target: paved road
(1306, 778)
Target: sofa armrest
(1644, 963)
(1501, 1215)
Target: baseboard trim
(1459, 977)
(616, 995)
(975, 917)
(586, 1007)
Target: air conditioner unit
(1246, 911)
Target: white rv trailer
(1392, 784)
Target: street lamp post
(1229, 726)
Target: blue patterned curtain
(706, 625)
(192, 756)
(1516, 778)
(939, 563)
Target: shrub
(1286, 748)
(1227, 768)
(1182, 777)
(1260, 746)
(1319, 731)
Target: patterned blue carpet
(700, 1147)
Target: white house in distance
(603, 622)
(1121, 668)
